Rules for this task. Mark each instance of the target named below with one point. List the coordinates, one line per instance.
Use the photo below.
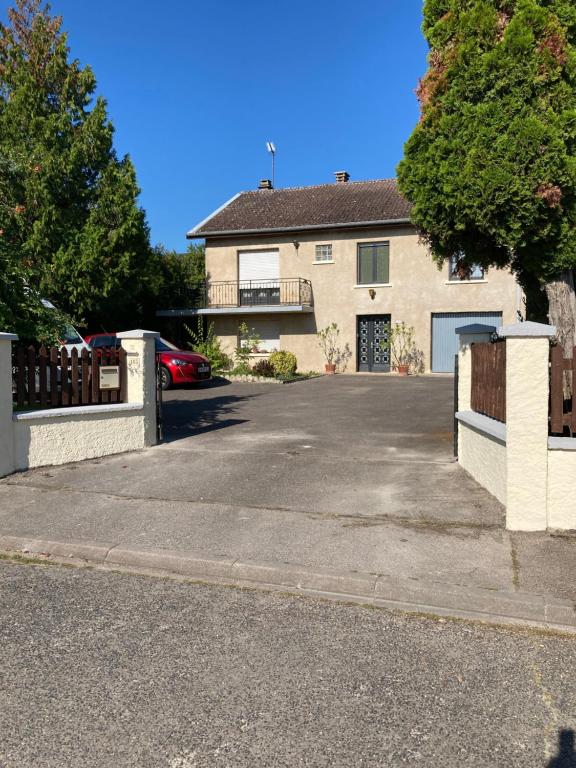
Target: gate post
(527, 397)
(7, 460)
(141, 376)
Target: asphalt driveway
(346, 472)
(367, 448)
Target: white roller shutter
(258, 266)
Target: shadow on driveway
(196, 412)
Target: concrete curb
(455, 600)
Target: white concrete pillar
(141, 368)
(474, 333)
(527, 391)
(7, 461)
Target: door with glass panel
(373, 354)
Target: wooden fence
(54, 378)
(562, 408)
(489, 379)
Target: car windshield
(71, 335)
(164, 346)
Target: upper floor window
(323, 253)
(373, 263)
(459, 270)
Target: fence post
(7, 458)
(527, 392)
(141, 376)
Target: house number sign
(110, 377)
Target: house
(289, 262)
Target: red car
(176, 366)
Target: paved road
(101, 669)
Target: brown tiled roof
(326, 205)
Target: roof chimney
(342, 177)
(265, 184)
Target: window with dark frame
(459, 270)
(373, 263)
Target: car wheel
(165, 378)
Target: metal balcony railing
(258, 293)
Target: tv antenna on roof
(272, 149)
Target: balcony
(233, 297)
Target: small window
(324, 252)
(373, 263)
(459, 270)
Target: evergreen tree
(183, 276)
(69, 211)
(21, 308)
(491, 167)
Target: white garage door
(445, 340)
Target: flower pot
(402, 369)
(330, 368)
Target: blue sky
(195, 89)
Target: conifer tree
(491, 167)
(69, 215)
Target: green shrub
(283, 362)
(208, 344)
(263, 368)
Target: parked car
(176, 366)
(72, 339)
(101, 340)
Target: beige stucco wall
(417, 288)
(77, 436)
(483, 457)
(562, 490)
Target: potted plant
(401, 345)
(328, 341)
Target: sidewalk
(262, 493)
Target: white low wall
(562, 483)
(482, 451)
(533, 475)
(62, 435)
(39, 438)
